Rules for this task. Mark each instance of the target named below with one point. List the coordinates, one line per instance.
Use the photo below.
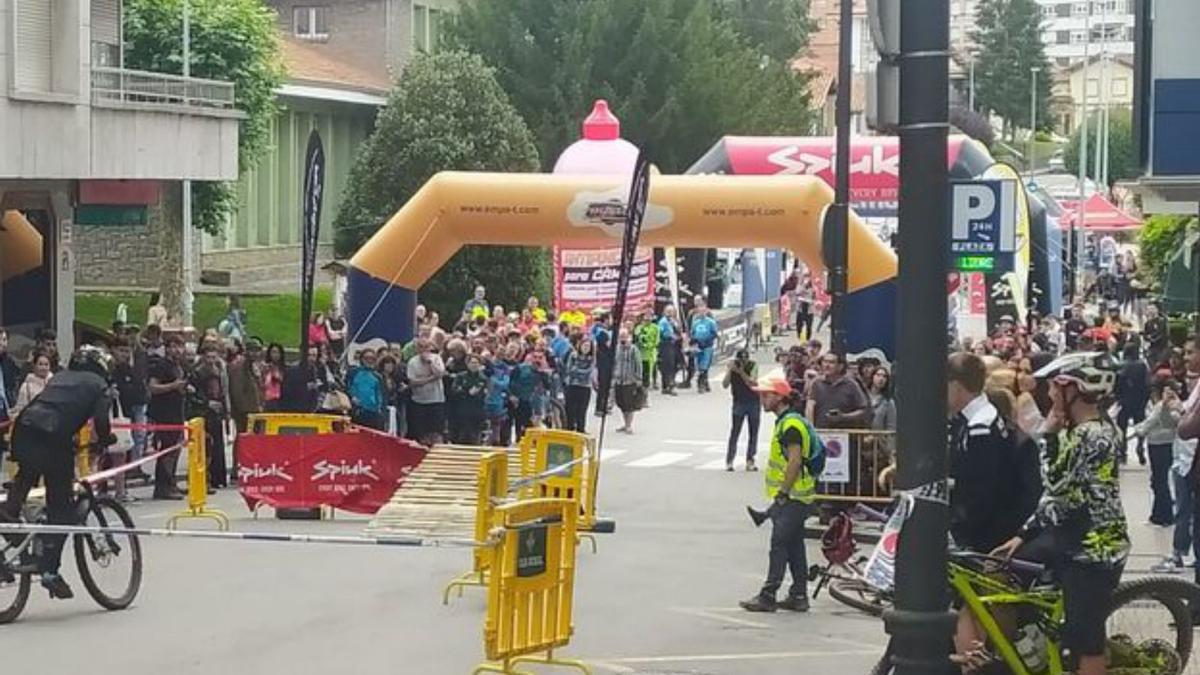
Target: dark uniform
(996, 478)
(43, 447)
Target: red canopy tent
(1099, 214)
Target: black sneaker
(798, 604)
(58, 587)
(759, 604)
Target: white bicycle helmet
(1092, 372)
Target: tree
(779, 28)
(1158, 241)
(679, 73)
(446, 113)
(231, 40)
(1008, 34)
(973, 124)
(1122, 161)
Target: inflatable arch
(457, 208)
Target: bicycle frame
(981, 594)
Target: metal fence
(858, 465)
(137, 86)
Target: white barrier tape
(419, 542)
(116, 470)
(559, 470)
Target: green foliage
(779, 28)
(1158, 241)
(511, 274)
(1009, 36)
(1122, 160)
(446, 113)
(679, 73)
(274, 318)
(231, 40)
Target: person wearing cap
(1075, 327)
(792, 487)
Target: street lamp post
(971, 85)
(920, 626)
(1033, 72)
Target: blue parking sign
(983, 223)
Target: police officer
(994, 486)
(43, 448)
(792, 488)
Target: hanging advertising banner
(314, 192)
(587, 278)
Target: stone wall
(116, 256)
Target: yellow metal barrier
(293, 424)
(491, 490)
(542, 451)
(197, 492)
(532, 586)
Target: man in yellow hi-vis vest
(792, 488)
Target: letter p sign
(972, 202)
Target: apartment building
(88, 144)
(1066, 28)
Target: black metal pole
(1072, 260)
(838, 216)
(920, 625)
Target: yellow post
(491, 489)
(531, 588)
(197, 492)
(542, 451)
(83, 459)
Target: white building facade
(77, 126)
(1066, 27)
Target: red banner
(351, 471)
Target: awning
(1099, 214)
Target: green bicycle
(1149, 619)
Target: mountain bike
(843, 571)
(110, 564)
(1021, 612)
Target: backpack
(814, 464)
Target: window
(1120, 86)
(420, 28)
(1093, 87)
(1080, 9)
(435, 29)
(1062, 37)
(1062, 10)
(310, 23)
(1108, 33)
(1077, 37)
(1063, 61)
(1049, 11)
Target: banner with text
(355, 472)
(587, 278)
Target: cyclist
(1079, 517)
(43, 449)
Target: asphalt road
(660, 596)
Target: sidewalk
(1150, 542)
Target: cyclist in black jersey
(43, 447)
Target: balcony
(124, 86)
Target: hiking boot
(58, 587)
(759, 604)
(795, 604)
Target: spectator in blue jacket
(496, 403)
(669, 335)
(704, 338)
(366, 389)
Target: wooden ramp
(438, 497)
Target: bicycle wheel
(860, 595)
(109, 564)
(1150, 622)
(13, 596)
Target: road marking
(660, 459)
(714, 465)
(609, 453)
(676, 441)
(709, 614)
(758, 656)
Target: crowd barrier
(491, 491)
(858, 466)
(197, 483)
(532, 585)
(305, 466)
